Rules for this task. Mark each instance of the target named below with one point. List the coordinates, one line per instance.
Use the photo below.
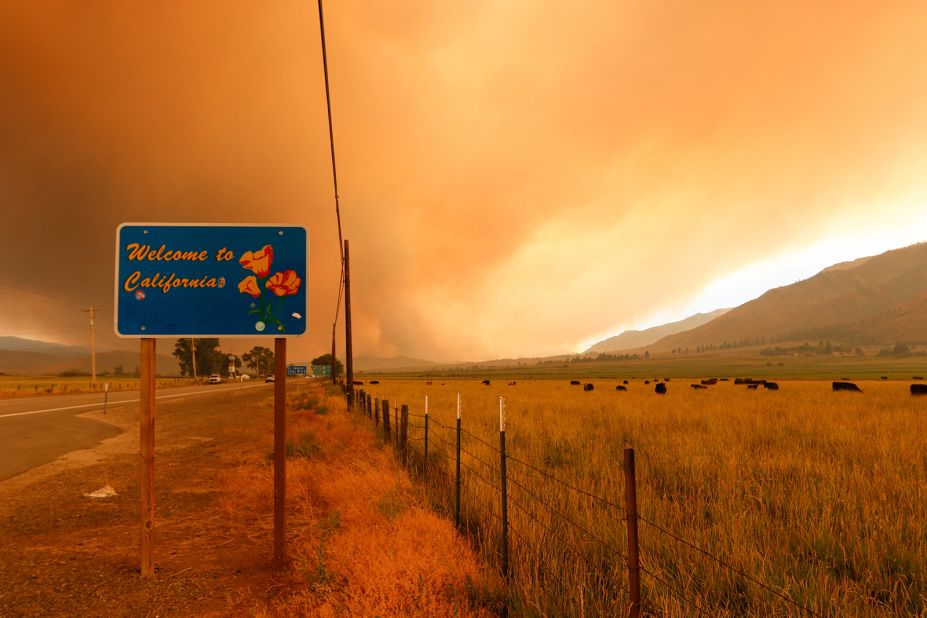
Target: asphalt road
(38, 430)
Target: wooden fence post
(376, 411)
(385, 406)
(634, 574)
(369, 406)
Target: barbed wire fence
(548, 559)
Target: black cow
(709, 382)
(486, 382)
(621, 388)
(724, 379)
(574, 382)
(741, 380)
(428, 383)
(753, 387)
(374, 381)
(771, 386)
(358, 382)
(846, 386)
(511, 384)
(625, 382)
(699, 387)
(666, 379)
(660, 389)
(588, 387)
(919, 389)
(884, 377)
(646, 381)
(917, 377)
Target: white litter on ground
(105, 492)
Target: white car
(215, 379)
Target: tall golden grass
(819, 496)
(361, 542)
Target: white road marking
(122, 401)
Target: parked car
(215, 379)
(269, 379)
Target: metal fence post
(634, 574)
(457, 492)
(505, 510)
(385, 406)
(425, 472)
(404, 434)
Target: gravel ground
(64, 554)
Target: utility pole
(193, 356)
(93, 343)
(348, 350)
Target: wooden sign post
(147, 438)
(279, 450)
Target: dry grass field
(22, 386)
(815, 501)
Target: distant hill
(874, 300)
(31, 357)
(631, 339)
(395, 363)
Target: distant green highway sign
(321, 371)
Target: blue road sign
(211, 280)
(296, 370)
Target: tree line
(211, 359)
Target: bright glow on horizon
(752, 281)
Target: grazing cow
(660, 389)
(709, 382)
(486, 382)
(699, 387)
(757, 382)
(771, 386)
(358, 382)
(753, 387)
(625, 382)
(846, 386)
(646, 381)
(919, 389)
(588, 387)
(374, 381)
(511, 384)
(741, 380)
(884, 377)
(621, 388)
(574, 382)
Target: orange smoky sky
(516, 177)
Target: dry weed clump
(820, 496)
(361, 541)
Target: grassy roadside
(361, 541)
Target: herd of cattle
(660, 387)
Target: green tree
(326, 359)
(209, 358)
(259, 359)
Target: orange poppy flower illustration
(285, 283)
(249, 285)
(258, 262)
